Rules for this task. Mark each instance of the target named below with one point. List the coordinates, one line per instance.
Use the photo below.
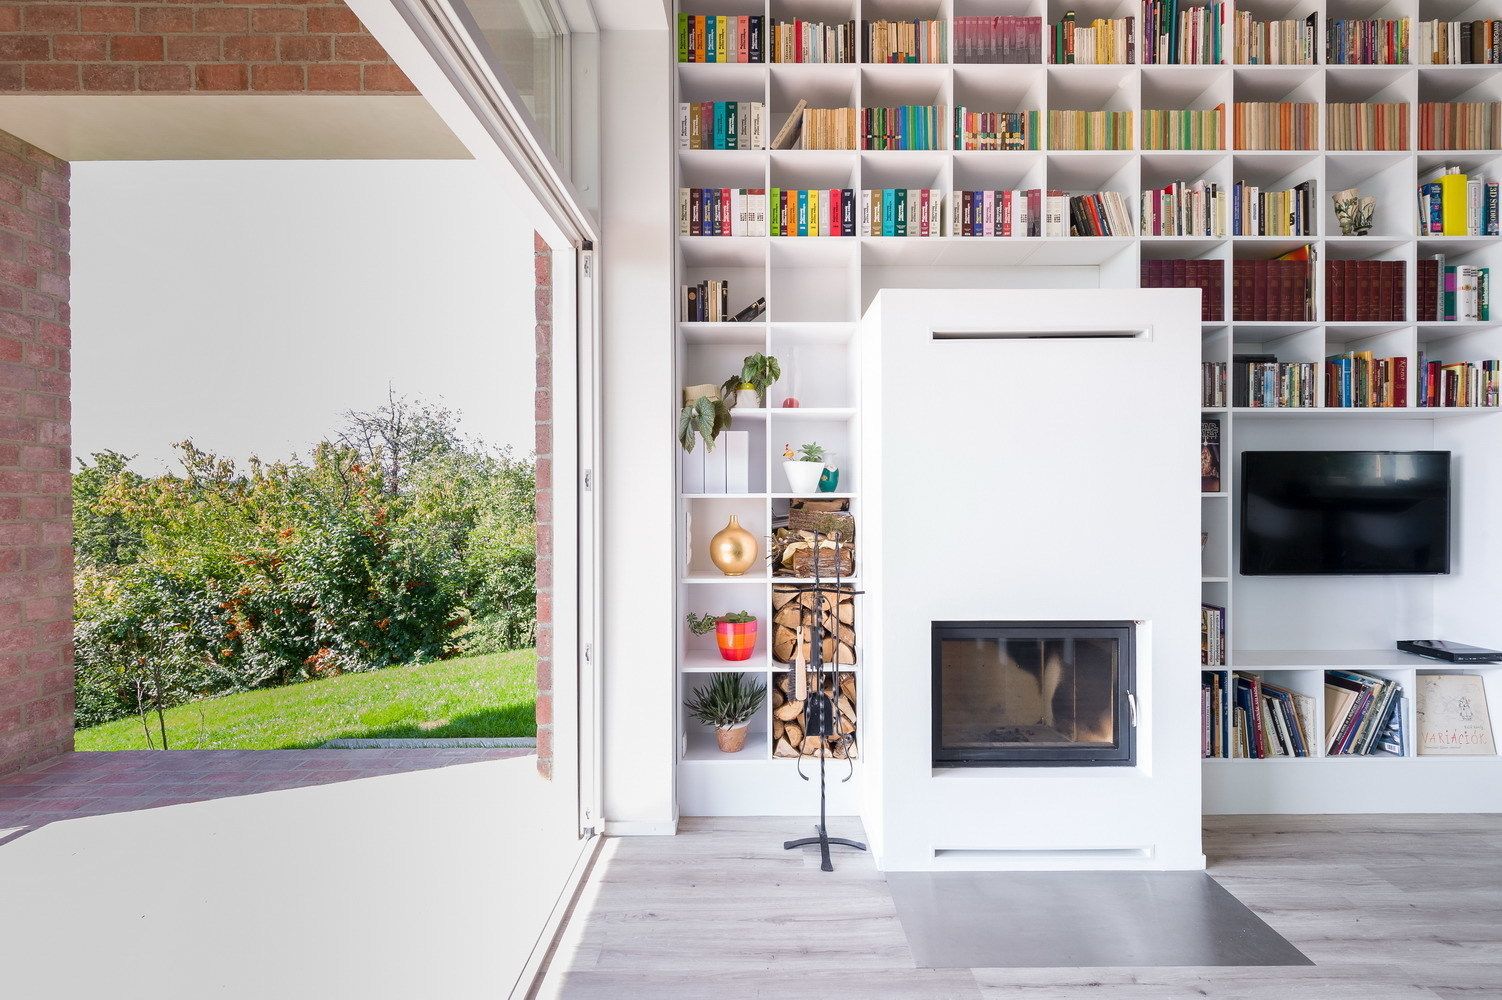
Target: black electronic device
(1451, 652)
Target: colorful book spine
(722, 212)
(1005, 39)
(1089, 130)
(720, 38)
(916, 41)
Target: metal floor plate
(987, 920)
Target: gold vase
(733, 549)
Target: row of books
(902, 212)
(1276, 125)
(1460, 125)
(916, 41)
(1459, 42)
(723, 38)
(987, 130)
(998, 39)
(1366, 126)
(1103, 41)
(1182, 34)
(1453, 203)
(1366, 291)
(722, 212)
(1213, 389)
(1360, 379)
(1279, 290)
(1209, 276)
(705, 302)
(1187, 129)
(1372, 41)
(1245, 717)
(1363, 715)
(811, 212)
(1089, 130)
(820, 128)
(905, 126)
(1212, 635)
(722, 125)
(1255, 212)
(1459, 383)
(1453, 293)
(799, 41)
(1184, 209)
(1261, 380)
(997, 213)
(1275, 43)
(1104, 213)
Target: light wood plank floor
(1388, 908)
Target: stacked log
(794, 610)
(788, 739)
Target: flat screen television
(1338, 513)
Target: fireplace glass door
(1033, 693)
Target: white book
(738, 212)
(683, 110)
(761, 213)
(758, 126)
(737, 445)
(988, 214)
(935, 212)
(715, 468)
(1474, 197)
(956, 224)
(866, 202)
(683, 197)
(914, 212)
(1452, 716)
(693, 469)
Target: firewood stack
(788, 720)
(792, 609)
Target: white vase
(803, 477)
(747, 399)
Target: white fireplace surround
(1031, 455)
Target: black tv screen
(1308, 513)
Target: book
(1459, 383)
(1210, 481)
(1212, 635)
(1460, 124)
(720, 38)
(1185, 209)
(811, 212)
(902, 212)
(907, 126)
(1366, 126)
(1089, 130)
(1366, 291)
(788, 135)
(1440, 42)
(1289, 212)
(1103, 41)
(1452, 716)
(707, 301)
(722, 212)
(917, 41)
(799, 41)
(1269, 43)
(721, 125)
(1213, 393)
(1183, 34)
(1373, 41)
(1357, 379)
(1186, 129)
(1206, 275)
(990, 130)
(1280, 290)
(1005, 39)
(1276, 125)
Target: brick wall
(543, 268)
(36, 527)
(191, 46)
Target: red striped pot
(737, 640)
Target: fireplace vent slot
(1143, 333)
(1042, 854)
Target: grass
(492, 695)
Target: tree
(401, 434)
(103, 533)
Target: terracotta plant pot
(732, 739)
(737, 640)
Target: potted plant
(704, 415)
(727, 702)
(758, 372)
(734, 632)
(803, 467)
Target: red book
(1400, 291)
(1332, 282)
(1179, 274)
(1348, 294)
(726, 225)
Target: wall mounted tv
(1338, 513)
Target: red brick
(80, 48)
(50, 16)
(359, 48)
(10, 18)
(11, 77)
(305, 48)
(194, 48)
(109, 78)
(278, 78)
(136, 48)
(223, 20)
(109, 18)
(250, 48)
(165, 19)
(387, 78)
(278, 19)
(336, 19)
(224, 77)
(21, 48)
(334, 77)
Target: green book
(774, 212)
(683, 38)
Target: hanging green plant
(758, 372)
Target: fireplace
(1033, 694)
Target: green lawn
(491, 695)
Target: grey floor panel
(995, 920)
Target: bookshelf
(817, 288)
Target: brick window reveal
(543, 275)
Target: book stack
(1209, 276)
(1375, 41)
(1366, 126)
(1174, 33)
(1459, 42)
(1275, 43)
(722, 38)
(1358, 379)
(1212, 715)
(1213, 385)
(722, 125)
(800, 41)
(1255, 212)
(1212, 635)
(998, 39)
(1090, 130)
(915, 41)
(706, 302)
(826, 128)
(1452, 203)
(1267, 720)
(1359, 710)
(1274, 291)
(1103, 213)
(1365, 291)
(1101, 42)
(905, 126)
(1459, 383)
(1276, 125)
(1453, 292)
(1262, 381)
(996, 129)
(811, 212)
(1460, 125)
(722, 212)
(997, 213)
(1189, 129)
(1183, 209)
(902, 212)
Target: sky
(246, 305)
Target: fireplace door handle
(1132, 706)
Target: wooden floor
(1387, 907)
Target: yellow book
(721, 52)
(813, 212)
(1452, 189)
